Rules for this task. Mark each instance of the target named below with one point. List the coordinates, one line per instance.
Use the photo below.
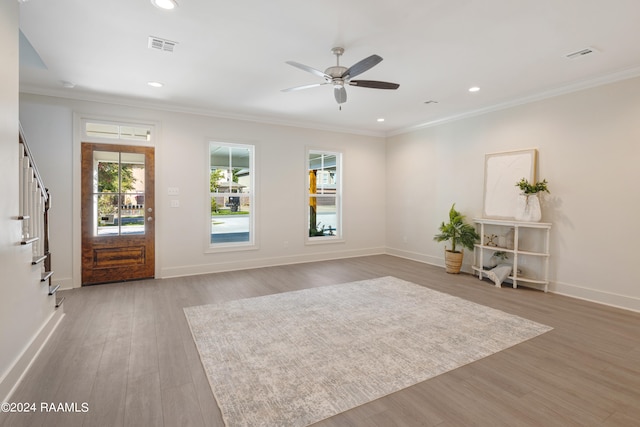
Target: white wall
(588, 149)
(181, 161)
(588, 144)
(25, 306)
(48, 132)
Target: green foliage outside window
(108, 183)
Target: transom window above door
(119, 131)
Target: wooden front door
(118, 211)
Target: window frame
(119, 134)
(232, 246)
(338, 196)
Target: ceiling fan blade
(362, 66)
(340, 93)
(291, 89)
(374, 84)
(309, 69)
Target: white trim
(155, 105)
(232, 246)
(596, 296)
(12, 378)
(79, 118)
(197, 269)
(550, 93)
(339, 197)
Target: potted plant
(528, 188)
(498, 257)
(528, 206)
(460, 234)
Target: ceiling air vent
(161, 44)
(580, 53)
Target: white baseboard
(65, 283)
(560, 288)
(12, 378)
(192, 270)
(426, 259)
(415, 256)
(593, 295)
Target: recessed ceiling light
(155, 84)
(68, 85)
(381, 119)
(165, 4)
(474, 89)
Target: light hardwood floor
(126, 350)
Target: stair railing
(34, 205)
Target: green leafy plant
(318, 230)
(457, 231)
(501, 255)
(528, 188)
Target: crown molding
(173, 108)
(625, 74)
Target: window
(108, 130)
(231, 183)
(324, 195)
(118, 193)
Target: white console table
(529, 251)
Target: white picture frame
(501, 173)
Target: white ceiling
(230, 57)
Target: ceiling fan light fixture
(339, 76)
(165, 4)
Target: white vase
(528, 208)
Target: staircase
(35, 202)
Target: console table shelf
(528, 248)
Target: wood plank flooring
(126, 350)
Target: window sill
(230, 248)
(324, 240)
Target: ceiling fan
(339, 76)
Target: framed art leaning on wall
(501, 173)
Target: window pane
(135, 133)
(107, 214)
(132, 186)
(326, 218)
(107, 171)
(230, 182)
(102, 130)
(323, 180)
(116, 131)
(119, 192)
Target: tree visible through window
(119, 191)
(230, 187)
(324, 195)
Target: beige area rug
(296, 358)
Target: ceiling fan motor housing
(336, 71)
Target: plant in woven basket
(457, 231)
(460, 234)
